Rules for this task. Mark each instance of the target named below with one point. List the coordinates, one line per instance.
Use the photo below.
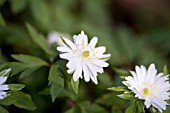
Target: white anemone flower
(85, 60)
(54, 37)
(149, 86)
(3, 87)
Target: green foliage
(19, 99)
(137, 106)
(128, 96)
(3, 110)
(18, 5)
(165, 70)
(130, 38)
(16, 87)
(132, 108)
(55, 81)
(119, 88)
(5, 72)
(27, 64)
(87, 107)
(2, 21)
(22, 100)
(39, 39)
(75, 85)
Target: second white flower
(85, 60)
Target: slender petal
(84, 60)
(149, 86)
(93, 42)
(3, 79)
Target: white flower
(54, 37)
(3, 87)
(85, 60)
(149, 86)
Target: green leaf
(16, 87)
(28, 64)
(165, 70)
(109, 99)
(41, 13)
(39, 39)
(120, 71)
(55, 90)
(141, 106)
(168, 101)
(153, 110)
(105, 80)
(128, 96)
(132, 108)
(22, 100)
(3, 110)
(30, 60)
(7, 100)
(18, 5)
(87, 107)
(119, 88)
(28, 71)
(56, 82)
(16, 67)
(2, 21)
(75, 85)
(75, 109)
(19, 99)
(5, 72)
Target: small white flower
(54, 37)
(85, 60)
(149, 86)
(3, 87)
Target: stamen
(145, 91)
(86, 53)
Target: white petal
(3, 79)
(2, 94)
(94, 79)
(66, 56)
(100, 50)
(160, 104)
(101, 63)
(64, 49)
(85, 38)
(73, 63)
(139, 73)
(93, 72)
(156, 106)
(104, 57)
(143, 70)
(70, 44)
(134, 76)
(3, 87)
(69, 71)
(147, 103)
(78, 72)
(93, 42)
(80, 39)
(86, 72)
(151, 73)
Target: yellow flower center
(145, 91)
(86, 54)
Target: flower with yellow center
(85, 60)
(149, 86)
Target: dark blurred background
(134, 31)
